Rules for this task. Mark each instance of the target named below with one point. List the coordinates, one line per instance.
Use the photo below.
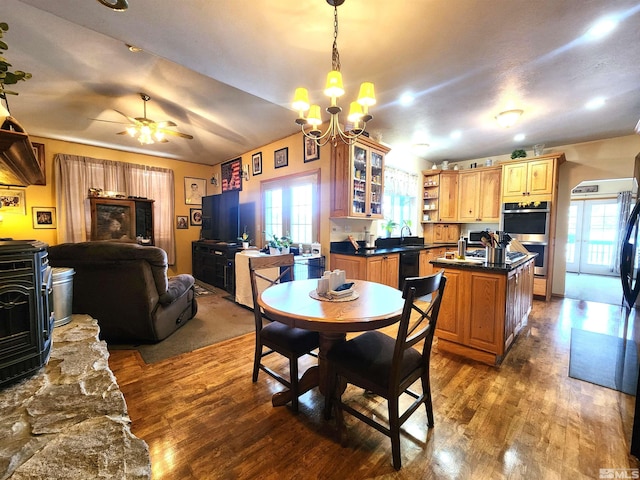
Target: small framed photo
(13, 200)
(182, 222)
(256, 161)
(194, 190)
(310, 148)
(195, 214)
(281, 157)
(38, 151)
(231, 175)
(44, 217)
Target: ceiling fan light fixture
(117, 5)
(509, 118)
(148, 132)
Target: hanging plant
(8, 77)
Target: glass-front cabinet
(357, 179)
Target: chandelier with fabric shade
(310, 115)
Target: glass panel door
(599, 237)
(359, 180)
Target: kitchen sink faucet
(402, 232)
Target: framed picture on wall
(196, 217)
(182, 222)
(194, 190)
(256, 161)
(231, 175)
(44, 217)
(310, 148)
(281, 157)
(13, 200)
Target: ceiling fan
(146, 130)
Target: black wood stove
(26, 310)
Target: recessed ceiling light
(595, 103)
(602, 28)
(406, 99)
(133, 48)
(519, 137)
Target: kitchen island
(484, 306)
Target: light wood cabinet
(383, 269)
(448, 197)
(426, 268)
(357, 179)
(446, 233)
(529, 180)
(479, 195)
(482, 311)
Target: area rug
(604, 360)
(218, 319)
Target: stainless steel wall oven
(529, 223)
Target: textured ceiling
(225, 71)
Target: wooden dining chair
(389, 366)
(272, 336)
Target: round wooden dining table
(296, 304)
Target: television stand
(214, 263)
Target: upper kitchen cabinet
(479, 195)
(357, 176)
(532, 180)
(448, 206)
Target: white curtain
(624, 209)
(400, 198)
(75, 175)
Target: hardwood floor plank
(203, 418)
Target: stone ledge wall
(70, 419)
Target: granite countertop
(386, 246)
(471, 263)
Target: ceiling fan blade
(166, 123)
(176, 134)
(132, 120)
(108, 121)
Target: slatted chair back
(257, 267)
(418, 322)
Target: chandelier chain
(335, 55)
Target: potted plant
(518, 154)
(244, 238)
(390, 226)
(279, 245)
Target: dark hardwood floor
(203, 418)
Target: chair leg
(394, 427)
(426, 389)
(330, 394)
(257, 356)
(293, 379)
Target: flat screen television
(221, 217)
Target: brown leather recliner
(125, 287)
